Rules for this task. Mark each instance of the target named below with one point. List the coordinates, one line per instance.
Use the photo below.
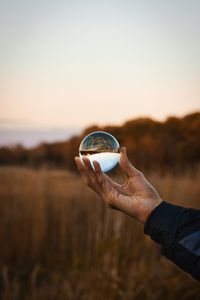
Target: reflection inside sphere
(102, 147)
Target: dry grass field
(58, 241)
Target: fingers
(87, 164)
(125, 164)
(87, 172)
(102, 178)
(97, 180)
(81, 169)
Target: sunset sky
(72, 63)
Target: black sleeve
(177, 229)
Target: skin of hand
(136, 196)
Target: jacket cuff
(162, 223)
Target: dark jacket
(177, 229)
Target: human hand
(136, 197)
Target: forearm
(177, 229)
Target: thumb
(126, 165)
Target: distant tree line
(172, 145)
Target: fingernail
(123, 149)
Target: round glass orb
(102, 147)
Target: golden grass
(58, 241)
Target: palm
(135, 193)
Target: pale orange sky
(75, 63)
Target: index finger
(81, 169)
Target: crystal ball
(102, 147)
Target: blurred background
(131, 68)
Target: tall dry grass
(58, 241)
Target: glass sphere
(102, 147)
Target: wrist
(153, 205)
